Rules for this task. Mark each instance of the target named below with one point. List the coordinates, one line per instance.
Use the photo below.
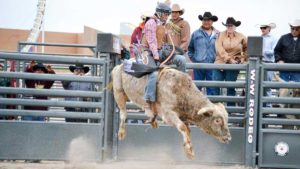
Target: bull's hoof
(122, 134)
(189, 151)
(154, 125)
(152, 122)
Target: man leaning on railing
(78, 70)
(39, 68)
(287, 50)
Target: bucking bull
(179, 103)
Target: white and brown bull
(178, 103)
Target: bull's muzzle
(225, 139)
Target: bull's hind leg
(121, 100)
(172, 118)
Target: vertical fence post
(108, 45)
(254, 52)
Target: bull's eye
(218, 121)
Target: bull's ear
(206, 111)
(221, 105)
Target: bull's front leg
(172, 118)
(122, 131)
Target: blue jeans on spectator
(150, 88)
(33, 118)
(290, 76)
(204, 74)
(226, 75)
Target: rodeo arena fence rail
(262, 135)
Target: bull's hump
(176, 81)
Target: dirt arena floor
(110, 165)
(80, 151)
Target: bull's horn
(220, 104)
(205, 109)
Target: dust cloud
(81, 155)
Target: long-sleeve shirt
(231, 47)
(179, 32)
(39, 84)
(82, 86)
(269, 43)
(150, 33)
(288, 49)
(136, 36)
(202, 46)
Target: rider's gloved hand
(157, 62)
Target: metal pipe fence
(95, 103)
(50, 92)
(52, 59)
(51, 138)
(277, 131)
(49, 113)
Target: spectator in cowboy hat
(269, 43)
(202, 49)
(37, 68)
(287, 50)
(78, 70)
(231, 48)
(136, 36)
(179, 28)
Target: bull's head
(214, 121)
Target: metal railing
(51, 139)
(278, 134)
(96, 106)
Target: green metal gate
(279, 136)
(51, 140)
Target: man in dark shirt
(287, 50)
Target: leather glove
(157, 62)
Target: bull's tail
(110, 86)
